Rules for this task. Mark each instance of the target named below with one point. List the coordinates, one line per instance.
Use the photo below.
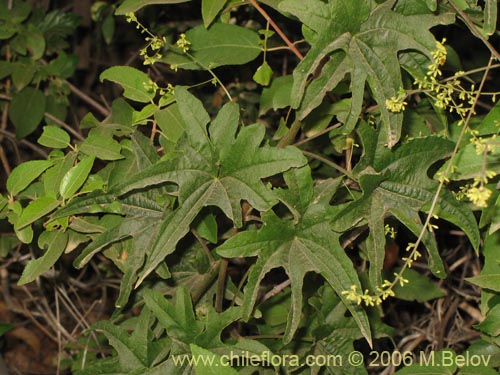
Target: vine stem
(474, 29)
(447, 171)
(268, 18)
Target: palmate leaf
(300, 246)
(217, 170)
(396, 183)
(362, 40)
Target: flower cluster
(449, 94)
(154, 43)
(397, 103)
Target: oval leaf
(54, 137)
(25, 174)
(35, 210)
(26, 110)
(75, 177)
(136, 84)
(57, 243)
(104, 148)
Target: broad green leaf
(221, 44)
(181, 323)
(396, 183)
(277, 95)
(209, 363)
(36, 210)
(363, 40)
(131, 6)
(75, 177)
(419, 287)
(219, 171)
(491, 325)
(35, 42)
(132, 353)
(101, 147)
(263, 74)
(26, 111)
(306, 245)
(54, 137)
(489, 281)
(56, 242)
(53, 176)
(136, 84)
(207, 228)
(25, 173)
(170, 122)
(210, 9)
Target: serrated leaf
(131, 6)
(212, 364)
(219, 171)
(308, 244)
(221, 44)
(102, 147)
(75, 177)
(25, 173)
(56, 244)
(210, 9)
(26, 111)
(396, 183)
(363, 40)
(136, 84)
(54, 137)
(36, 210)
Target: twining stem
(446, 173)
(474, 30)
(290, 135)
(276, 28)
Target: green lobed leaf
(54, 137)
(219, 171)
(25, 173)
(136, 84)
(75, 177)
(131, 6)
(396, 182)
(362, 40)
(56, 242)
(308, 244)
(26, 111)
